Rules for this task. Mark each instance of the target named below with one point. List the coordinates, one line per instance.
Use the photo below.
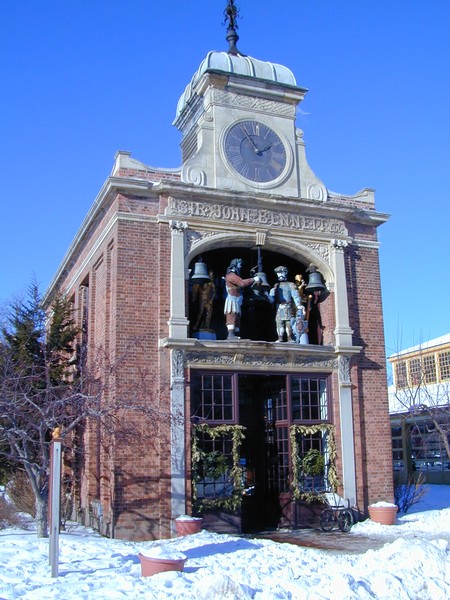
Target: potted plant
(383, 512)
(186, 525)
(161, 559)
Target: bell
(200, 274)
(262, 283)
(315, 283)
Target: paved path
(333, 541)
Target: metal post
(55, 501)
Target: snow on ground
(414, 564)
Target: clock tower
(237, 117)
(244, 300)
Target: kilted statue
(233, 303)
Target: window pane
(429, 369)
(415, 371)
(311, 404)
(213, 478)
(213, 397)
(400, 375)
(444, 365)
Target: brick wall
(370, 401)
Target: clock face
(255, 151)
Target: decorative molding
(344, 369)
(316, 363)
(321, 250)
(340, 245)
(178, 227)
(316, 191)
(194, 175)
(207, 359)
(210, 358)
(256, 104)
(177, 364)
(254, 216)
(263, 360)
(194, 237)
(261, 238)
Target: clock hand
(255, 147)
(266, 147)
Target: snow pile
(163, 552)
(413, 564)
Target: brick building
(313, 414)
(419, 404)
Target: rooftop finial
(231, 14)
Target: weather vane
(231, 14)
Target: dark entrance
(265, 450)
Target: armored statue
(287, 300)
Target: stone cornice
(327, 209)
(248, 354)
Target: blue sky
(83, 79)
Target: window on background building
(397, 448)
(429, 369)
(415, 371)
(427, 448)
(444, 365)
(400, 375)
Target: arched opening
(206, 300)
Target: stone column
(347, 430)
(343, 332)
(343, 339)
(178, 323)
(177, 437)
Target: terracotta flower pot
(152, 566)
(386, 515)
(188, 526)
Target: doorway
(265, 449)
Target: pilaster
(177, 446)
(343, 333)
(347, 430)
(178, 323)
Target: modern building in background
(248, 425)
(419, 403)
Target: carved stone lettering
(225, 212)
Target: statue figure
(287, 299)
(300, 326)
(204, 294)
(301, 284)
(233, 302)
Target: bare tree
(43, 386)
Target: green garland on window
(233, 502)
(297, 461)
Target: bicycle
(337, 512)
